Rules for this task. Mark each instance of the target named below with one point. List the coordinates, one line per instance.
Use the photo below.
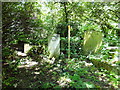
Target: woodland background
(33, 23)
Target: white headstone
(27, 47)
(54, 46)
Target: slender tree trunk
(66, 18)
(66, 14)
(68, 41)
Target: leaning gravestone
(92, 42)
(54, 46)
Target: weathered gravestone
(27, 47)
(92, 42)
(54, 46)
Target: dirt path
(32, 76)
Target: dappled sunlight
(64, 81)
(46, 60)
(19, 53)
(60, 45)
(88, 64)
(27, 64)
(36, 72)
(98, 46)
(87, 37)
(89, 85)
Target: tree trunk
(66, 17)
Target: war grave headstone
(54, 46)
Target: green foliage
(81, 84)
(76, 44)
(33, 23)
(9, 82)
(47, 85)
(7, 51)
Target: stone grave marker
(27, 47)
(54, 46)
(92, 42)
